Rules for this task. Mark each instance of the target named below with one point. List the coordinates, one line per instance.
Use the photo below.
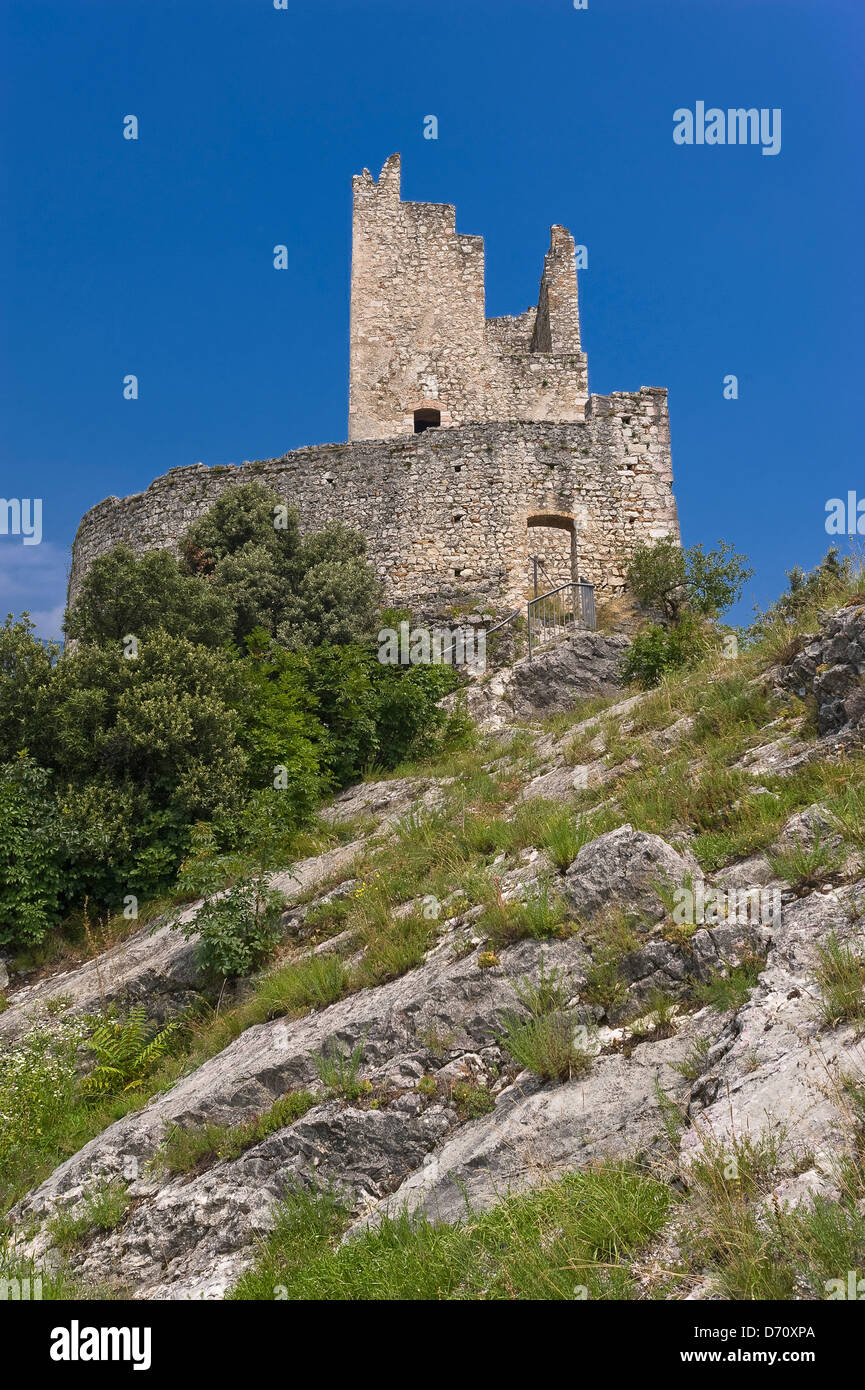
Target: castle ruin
(473, 443)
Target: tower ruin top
(422, 351)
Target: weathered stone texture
(419, 338)
(447, 508)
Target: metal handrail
(552, 620)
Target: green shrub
(470, 1102)
(239, 930)
(656, 650)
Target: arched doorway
(552, 551)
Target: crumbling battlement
(419, 338)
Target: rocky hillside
(608, 963)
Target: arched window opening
(426, 420)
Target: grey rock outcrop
(157, 963)
(174, 1236)
(777, 1065)
(586, 663)
(831, 667)
(624, 869)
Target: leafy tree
(303, 592)
(26, 667)
(124, 593)
(409, 719)
(240, 551)
(282, 735)
(667, 577)
(714, 579)
(337, 598)
(31, 849)
(165, 720)
(142, 747)
(340, 684)
(248, 514)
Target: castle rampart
(449, 511)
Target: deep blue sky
(155, 256)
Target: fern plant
(126, 1051)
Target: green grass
(761, 1250)
(543, 1038)
(840, 972)
(565, 1240)
(559, 827)
(313, 982)
(103, 1209)
(580, 749)
(694, 1060)
(188, 1149)
(847, 811)
(54, 1283)
(733, 988)
(339, 1072)
(805, 866)
(588, 707)
(393, 946)
(612, 936)
(540, 914)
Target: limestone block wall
(452, 510)
(419, 338)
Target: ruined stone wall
(446, 513)
(419, 338)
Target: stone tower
(422, 352)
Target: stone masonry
(514, 457)
(419, 339)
